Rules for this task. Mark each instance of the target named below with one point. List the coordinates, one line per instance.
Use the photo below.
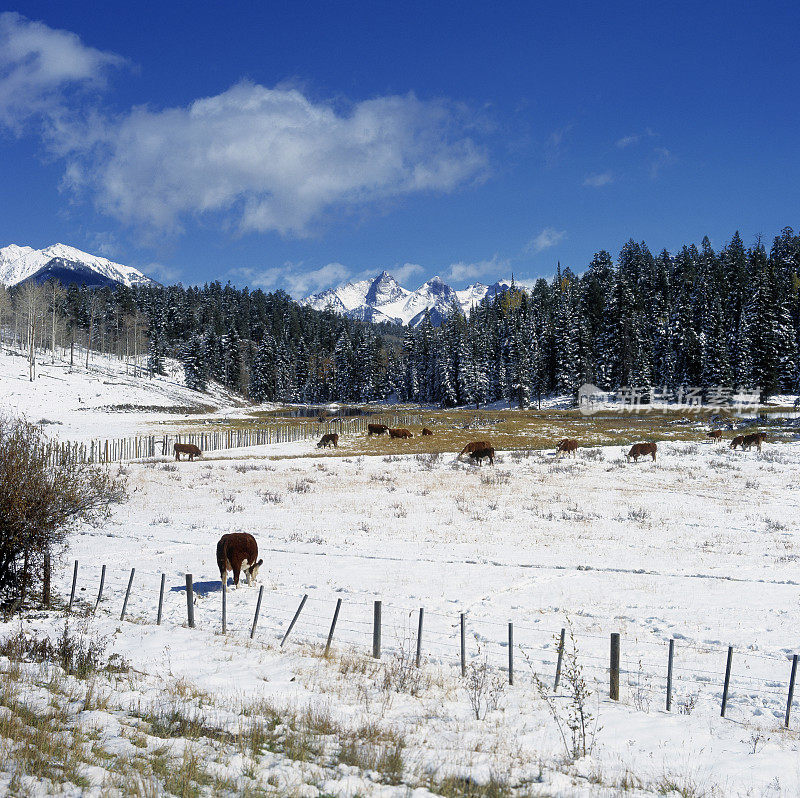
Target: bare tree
(55, 294)
(5, 310)
(31, 304)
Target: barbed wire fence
(670, 674)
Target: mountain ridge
(19, 264)
(383, 299)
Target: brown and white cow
(400, 433)
(754, 440)
(641, 450)
(568, 446)
(715, 434)
(237, 552)
(479, 455)
(377, 429)
(331, 439)
(426, 431)
(737, 441)
(474, 447)
(187, 448)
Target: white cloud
(463, 271)
(161, 272)
(549, 237)
(404, 272)
(626, 141)
(298, 283)
(662, 158)
(272, 159)
(39, 66)
(599, 179)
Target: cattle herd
(238, 552)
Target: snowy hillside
(384, 299)
(66, 264)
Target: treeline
(700, 317)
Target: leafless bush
(591, 454)
(40, 503)
(638, 514)
(161, 519)
(429, 461)
(168, 467)
(270, 497)
(243, 468)
(484, 686)
(300, 486)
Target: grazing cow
(479, 455)
(715, 434)
(474, 447)
(377, 429)
(641, 450)
(568, 446)
(187, 448)
(737, 441)
(237, 552)
(331, 439)
(754, 440)
(426, 431)
(400, 433)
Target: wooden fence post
(46, 580)
(669, 673)
(333, 624)
(613, 691)
(560, 659)
(224, 611)
(376, 630)
(727, 681)
(294, 620)
(463, 645)
(510, 653)
(100, 591)
(791, 690)
(189, 601)
(74, 582)
(161, 599)
(258, 609)
(419, 636)
(127, 593)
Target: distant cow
(568, 446)
(641, 450)
(754, 440)
(400, 433)
(479, 455)
(331, 439)
(474, 447)
(187, 448)
(715, 434)
(737, 441)
(426, 431)
(237, 552)
(377, 429)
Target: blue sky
(298, 145)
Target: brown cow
(754, 440)
(426, 431)
(474, 447)
(641, 450)
(377, 429)
(237, 552)
(568, 446)
(715, 434)
(737, 441)
(331, 439)
(400, 433)
(479, 455)
(187, 448)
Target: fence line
(119, 450)
(673, 678)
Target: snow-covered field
(699, 546)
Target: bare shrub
(484, 686)
(300, 486)
(591, 454)
(40, 503)
(429, 461)
(168, 467)
(270, 497)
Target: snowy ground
(699, 546)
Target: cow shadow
(201, 588)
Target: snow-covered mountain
(384, 299)
(66, 264)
